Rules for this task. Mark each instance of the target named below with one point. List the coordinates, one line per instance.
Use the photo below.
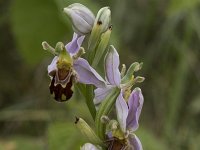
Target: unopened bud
(102, 23)
(105, 37)
(103, 18)
(87, 131)
(81, 17)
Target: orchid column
(112, 94)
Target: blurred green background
(164, 34)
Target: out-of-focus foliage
(21, 143)
(38, 20)
(150, 141)
(163, 34)
(64, 136)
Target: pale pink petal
(135, 104)
(52, 67)
(112, 67)
(101, 93)
(122, 111)
(135, 142)
(87, 75)
(74, 46)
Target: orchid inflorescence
(103, 96)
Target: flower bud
(81, 17)
(103, 18)
(102, 23)
(87, 131)
(105, 37)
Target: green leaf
(33, 22)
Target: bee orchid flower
(128, 104)
(128, 113)
(114, 78)
(67, 68)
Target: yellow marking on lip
(63, 97)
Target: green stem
(87, 92)
(104, 110)
(89, 100)
(81, 88)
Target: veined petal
(74, 46)
(122, 111)
(84, 12)
(89, 146)
(135, 142)
(101, 93)
(52, 67)
(112, 67)
(87, 75)
(135, 104)
(81, 17)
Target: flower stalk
(104, 110)
(89, 100)
(113, 94)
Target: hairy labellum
(63, 76)
(117, 144)
(61, 85)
